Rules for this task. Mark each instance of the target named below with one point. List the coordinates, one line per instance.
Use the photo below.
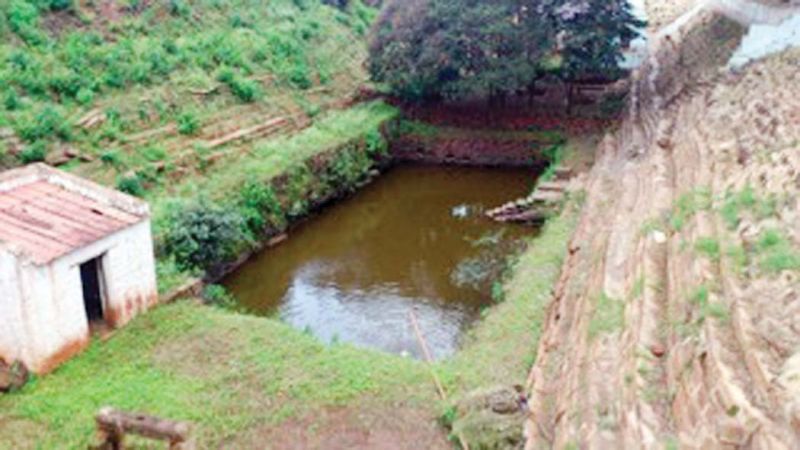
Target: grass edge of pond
(229, 373)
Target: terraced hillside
(137, 94)
(674, 324)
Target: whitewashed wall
(42, 311)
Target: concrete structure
(73, 254)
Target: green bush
(11, 100)
(244, 89)
(47, 123)
(110, 157)
(259, 207)
(188, 124)
(131, 184)
(218, 296)
(34, 152)
(84, 96)
(202, 235)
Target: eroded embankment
(675, 319)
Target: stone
(658, 350)
(492, 418)
(13, 376)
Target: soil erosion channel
(416, 238)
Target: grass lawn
(248, 381)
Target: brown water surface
(415, 238)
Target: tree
(593, 36)
(458, 49)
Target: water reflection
(353, 273)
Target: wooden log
(547, 197)
(246, 132)
(551, 186)
(113, 425)
(563, 173)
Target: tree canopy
(472, 48)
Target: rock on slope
(676, 321)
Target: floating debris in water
(490, 238)
(460, 211)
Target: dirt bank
(463, 148)
(674, 323)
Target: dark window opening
(92, 290)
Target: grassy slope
(231, 373)
(140, 66)
(262, 163)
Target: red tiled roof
(45, 221)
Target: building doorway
(92, 290)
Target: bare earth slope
(676, 322)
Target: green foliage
(11, 100)
(776, 253)
(217, 295)
(737, 204)
(47, 123)
(169, 275)
(259, 206)
(110, 157)
(158, 44)
(188, 124)
(490, 49)
(688, 205)
(701, 298)
(244, 89)
(202, 235)
(34, 152)
(554, 155)
(709, 247)
(131, 184)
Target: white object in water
(460, 211)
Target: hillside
(674, 322)
(136, 94)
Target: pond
(415, 239)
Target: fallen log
(245, 133)
(113, 425)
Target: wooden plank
(115, 424)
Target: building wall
(10, 307)
(47, 301)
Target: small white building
(73, 255)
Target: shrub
(131, 184)
(244, 89)
(84, 96)
(153, 153)
(708, 247)
(188, 123)
(35, 152)
(179, 8)
(11, 100)
(47, 123)
(110, 157)
(218, 296)
(202, 235)
(259, 206)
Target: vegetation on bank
(100, 79)
(467, 49)
(534, 135)
(205, 222)
(232, 374)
